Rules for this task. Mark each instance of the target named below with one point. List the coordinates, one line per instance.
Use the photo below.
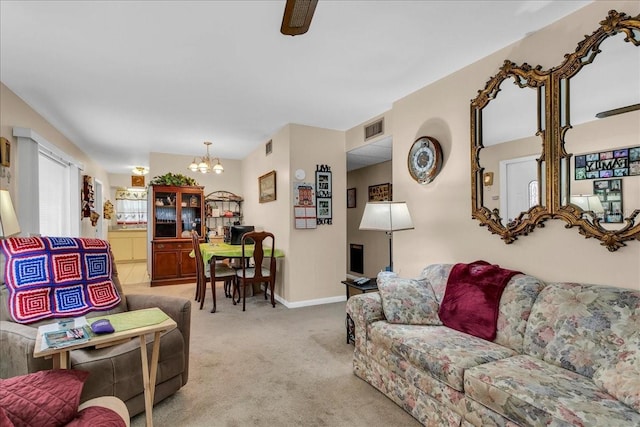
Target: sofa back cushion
(515, 304)
(582, 327)
(621, 379)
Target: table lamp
(588, 202)
(387, 217)
(8, 219)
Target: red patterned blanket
(52, 277)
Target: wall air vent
(374, 129)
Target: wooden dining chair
(247, 276)
(221, 272)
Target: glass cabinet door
(165, 214)
(191, 217)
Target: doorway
(518, 186)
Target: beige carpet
(270, 367)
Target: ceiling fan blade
(620, 110)
(297, 16)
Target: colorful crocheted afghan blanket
(51, 277)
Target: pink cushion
(472, 298)
(45, 398)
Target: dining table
(212, 251)
(225, 250)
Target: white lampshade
(386, 216)
(8, 219)
(588, 202)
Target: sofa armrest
(364, 309)
(179, 309)
(17, 342)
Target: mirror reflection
(511, 151)
(604, 169)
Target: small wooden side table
(149, 372)
(372, 286)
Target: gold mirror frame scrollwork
(526, 222)
(587, 50)
(553, 137)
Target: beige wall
(314, 263)
(441, 210)
(375, 243)
(14, 112)
(315, 259)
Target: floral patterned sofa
(564, 354)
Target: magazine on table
(57, 339)
(74, 331)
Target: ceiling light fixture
(204, 166)
(140, 170)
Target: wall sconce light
(487, 179)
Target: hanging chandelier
(204, 166)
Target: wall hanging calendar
(323, 194)
(304, 206)
(608, 164)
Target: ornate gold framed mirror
(588, 124)
(508, 140)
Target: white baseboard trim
(307, 303)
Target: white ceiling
(122, 79)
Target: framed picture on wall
(380, 193)
(267, 187)
(323, 208)
(351, 197)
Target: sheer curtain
(54, 207)
(131, 207)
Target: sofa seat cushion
(442, 352)
(529, 391)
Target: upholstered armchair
(116, 370)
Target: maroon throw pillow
(45, 398)
(4, 420)
(472, 298)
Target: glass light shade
(217, 168)
(386, 216)
(8, 220)
(203, 167)
(193, 166)
(588, 202)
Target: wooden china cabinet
(176, 211)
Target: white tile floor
(132, 273)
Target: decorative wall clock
(425, 159)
